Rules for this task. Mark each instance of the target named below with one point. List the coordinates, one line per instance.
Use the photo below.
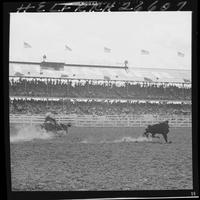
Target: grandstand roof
(102, 72)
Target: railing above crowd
(85, 88)
(110, 100)
(105, 81)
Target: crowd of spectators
(20, 106)
(90, 89)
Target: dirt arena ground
(99, 159)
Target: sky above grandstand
(144, 39)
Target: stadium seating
(60, 88)
(20, 106)
(89, 89)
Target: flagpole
(27, 46)
(67, 48)
(107, 51)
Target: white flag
(144, 52)
(68, 48)
(180, 54)
(107, 50)
(27, 45)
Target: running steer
(161, 128)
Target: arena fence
(106, 121)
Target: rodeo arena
(99, 127)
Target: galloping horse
(50, 127)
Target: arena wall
(106, 121)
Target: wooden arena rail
(105, 121)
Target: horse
(50, 127)
(160, 128)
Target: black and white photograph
(100, 101)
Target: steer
(160, 128)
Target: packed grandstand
(30, 94)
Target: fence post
(128, 121)
(31, 119)
(23, 121)
(59, 119)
